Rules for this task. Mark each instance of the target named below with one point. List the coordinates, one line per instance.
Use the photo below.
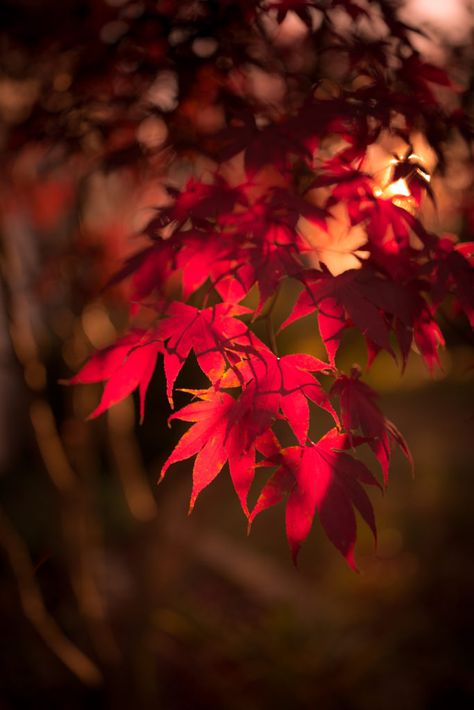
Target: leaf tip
(192, 502)
(350, 559)
(295, 549)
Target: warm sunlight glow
(399, 188)
(452, 19)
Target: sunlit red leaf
(320, 478)
(285, 384)
(224, 430)
(124, 366)
(211, 333)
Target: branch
(34, 609)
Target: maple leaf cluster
(291, 197)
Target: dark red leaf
(320, 478)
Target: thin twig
(34, 609)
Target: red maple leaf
(358, 297)
(361, 414)
(202, 201)
(428, 338)
(212, 333)
(126, 365)
(286, 384)
(265, 248)
(452, 272)
(389, 229)
(203, 256)
(271, 145)
(320, 477)
(150, 269)
(307, 197)
(224, 429)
